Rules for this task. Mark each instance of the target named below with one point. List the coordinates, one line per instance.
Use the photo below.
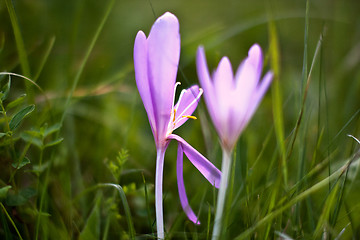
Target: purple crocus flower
(231, 101)
(156, 60)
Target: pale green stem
(225, 173)
(158, 192)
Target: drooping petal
(181, 187)
(206, 168)
(183, 105)
(141, 75)
(163, 59)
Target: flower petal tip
(168, 17)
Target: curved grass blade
(125, 205)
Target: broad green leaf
(55, 142)
(25, 161)
(19, 116)
(2, 134)
(16, 102)
(3, 191)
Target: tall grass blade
(18, 39)
(86, 58)
(323, 183)
(278, 114)
(45, 57)
(11, 221)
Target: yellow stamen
(174, 115)
(187, 116)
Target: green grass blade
(147, 203)
(45, 58)
(86, 57)
(278, 114)
(125, 205)
(323, 183)
(18, 39)
(11, 221)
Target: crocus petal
(206, 168)
(247, 77)
(259, 94)
(189, 96)
(209, 91)
(141, 75)
(163, 60)
(224, 85)
(181, 187)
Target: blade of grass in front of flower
(315, 188)
(278, 114)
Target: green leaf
(33, 137)
(21, 197)
(25, 161)
(5, 90)
(19, 116)
(54, 128)
(3, 191)
(16, 102)
(91, 230)
(55, 142)
(2, 134)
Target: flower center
(174, 116)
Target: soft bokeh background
(106, 119)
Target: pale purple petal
(187, 98)
(224, 85)
(206, 168)
(259, 94)
(163, 60)
(209, 91)
(247, 77)
(142, 80)
(181, 187)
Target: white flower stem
(158, 192)
(225, 169)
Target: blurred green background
(106, 121)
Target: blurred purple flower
(156, 60)
(232, 100)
